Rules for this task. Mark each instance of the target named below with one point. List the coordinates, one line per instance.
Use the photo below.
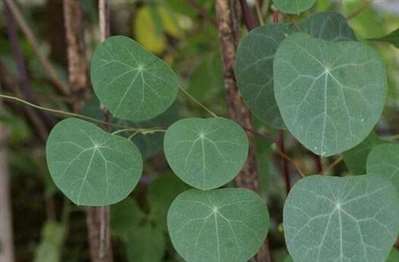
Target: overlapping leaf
(132, 83)
(330, 219)
(330, 94)
(293, 6)
(219, 225)
(90, 166)
(383, 160)
(206, 153)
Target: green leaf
(330, 94)
(341, 219)
(50, 247)
(394, 256)
(383, 160)
(288, 259)
(293, 6)
(356, 158)
(254, 71)
(392, 38)
(132, 83)
(125, 215)
(90, 166)
(206, 153)
(220, 225)
(330, 26)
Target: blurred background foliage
(183, 32)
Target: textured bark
(228, 21)
(6, 238)
(77, 62)
(98, 217)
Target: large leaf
(356, 158)
(219, 225)
(90, 166)
(383, 160)
(330, 26)
(254, 71)
(330, 94)
(330, 219)
(132, 83)
(206, 153)
(293, 6)
(392, 38)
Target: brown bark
(77, 62)
(6, 238)
(227, 12)
(98, 217)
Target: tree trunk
(228, 21)
(6, 239)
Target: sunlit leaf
(132, 83)
(90, 166)
(219, 225)
(330, 94)
(341, 219)
(206, 153)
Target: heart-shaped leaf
(293, 6)
(132, 83)
(383, 160)
(206, 153)
(330, 219)
(330, 26)
(220, 225)
(90, 166)
(254, 71)
(330, 94)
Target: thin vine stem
(197, 102)
(65, 113)
(140, 130)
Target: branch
(284, 164)
(51, 72)
(229, 28)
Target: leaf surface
(330, 219)
(330, 94)
(132, 83)
(392, 38)
(206, 153)
(293, 6)
(219, 225)
(383, 160)
(90, 166)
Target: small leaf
(90, 166)
(392, 38)
(341, 219)
(52, 238)
(356, 158)
(330, 26)
(220, 225)
(132, 83)
(125, 215)
(293, 6)
(254, 70)
(206, 153)
(330, 94)
(383, 160)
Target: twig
(197, 102)
(51, 72)
(333, 164)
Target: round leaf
(330, 94)
(206, 153)
(220, 225)
(330, 26)
(254, 71)
(293, 6)
(90, 166)
(383, 160)
(132, 83)
(341, 219)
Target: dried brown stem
(228, 22)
